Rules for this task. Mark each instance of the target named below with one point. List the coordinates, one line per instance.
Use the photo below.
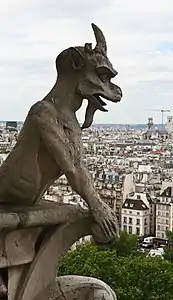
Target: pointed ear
(76, 58)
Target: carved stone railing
(32, 243)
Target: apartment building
(138, 214)
(164, 210)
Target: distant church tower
(169, 126)
(150, 123)
(148, 134)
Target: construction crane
(162, 112)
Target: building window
(167, 215)
(137, 221)
(130, 229)
(145, 230)
(130, 212)
(167, 222)
(138, 230)
(130, 220)
(158, 227)
(138, 213)
(125, 228)
(125, 220)
(138, 197)
(159, 213)
(145, 221)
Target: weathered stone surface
(50, 143)
(8, 220)
(42, 271)
(81, 288)
(34, 235)
(46, 213)
(31, 255)
(14, 276)
(18, 247)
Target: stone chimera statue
(50, 143)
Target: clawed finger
(112, 228)
(116, 229)
(106, 228)
(114, 223)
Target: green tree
(126, 244)
(168, 254)
(168, 250)
(169, 235)
(131, 277)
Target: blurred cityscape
(131, 168)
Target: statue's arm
(66, 153)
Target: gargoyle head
(93, 71)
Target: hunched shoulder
(42, 112)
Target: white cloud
(140, 45)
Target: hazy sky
(139, 34)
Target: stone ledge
(46, 213)
(21, 226)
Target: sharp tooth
(101, 101)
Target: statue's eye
(103, 77)
(104, 74)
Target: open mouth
(100, 103)
(95, 102)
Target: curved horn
(100, 39)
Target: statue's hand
(106, 218)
